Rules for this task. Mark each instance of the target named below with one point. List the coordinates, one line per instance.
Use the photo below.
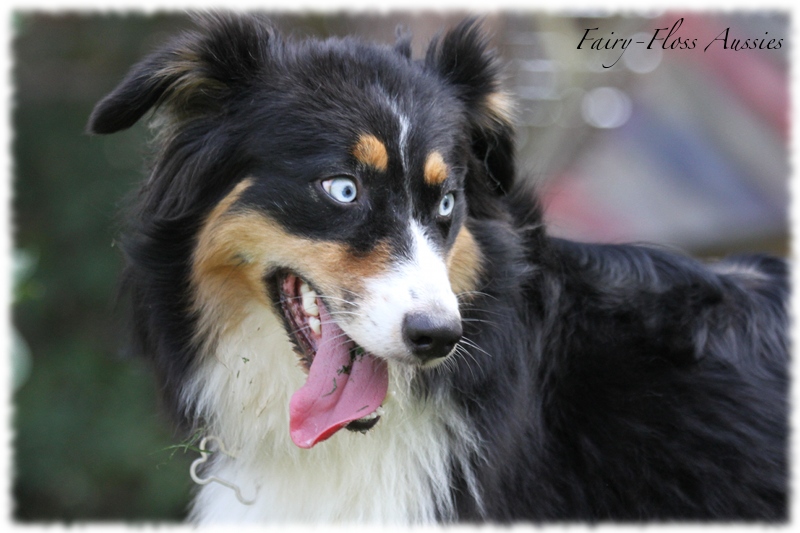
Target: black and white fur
(591, 383)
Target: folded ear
(463, 57)
(191, 74)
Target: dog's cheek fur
(237, 248)
(465, 263)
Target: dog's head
(328, 181)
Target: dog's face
(352, 202)
(339, 176)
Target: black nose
(429, 336)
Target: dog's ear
(402, 44)
(463, 57)
(192, 74)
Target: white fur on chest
(398, 472)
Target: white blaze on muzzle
(410, 314)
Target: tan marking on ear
(236, 249)
(187, 76)
(500, 108)
(464, 263)
(372, 152)
(435, 171)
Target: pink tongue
(339, 389)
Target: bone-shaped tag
(203, 458)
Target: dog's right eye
(341, 189)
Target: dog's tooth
(309, 299)
(315, 325)
(374, 414)
(310, 303)
(304, 287)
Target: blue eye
(447, 204)
(341, 189)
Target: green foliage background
(89, 442)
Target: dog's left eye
(341, 189)
(447, 204)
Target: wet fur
(594, 382)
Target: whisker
(465, 294)
(354, 313)
(461, 351)
(345, 300)
(324, 297)
(488, 322)
(473, 344)
(335, 342)
(448, 365)
(298, 330)
(306, 329)
(482, 311)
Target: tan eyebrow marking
(435, 169)
(370, 151)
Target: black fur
(659, 389)
(624, 383)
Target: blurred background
(681, 147)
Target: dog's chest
(397, 474)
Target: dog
(341, 279)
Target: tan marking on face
(464, 263)
(435, 171)
(236, 249)
(371, 152)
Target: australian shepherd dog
(344, 286)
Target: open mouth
(345, 385)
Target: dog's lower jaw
(397, 473)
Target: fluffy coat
(591, 382)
